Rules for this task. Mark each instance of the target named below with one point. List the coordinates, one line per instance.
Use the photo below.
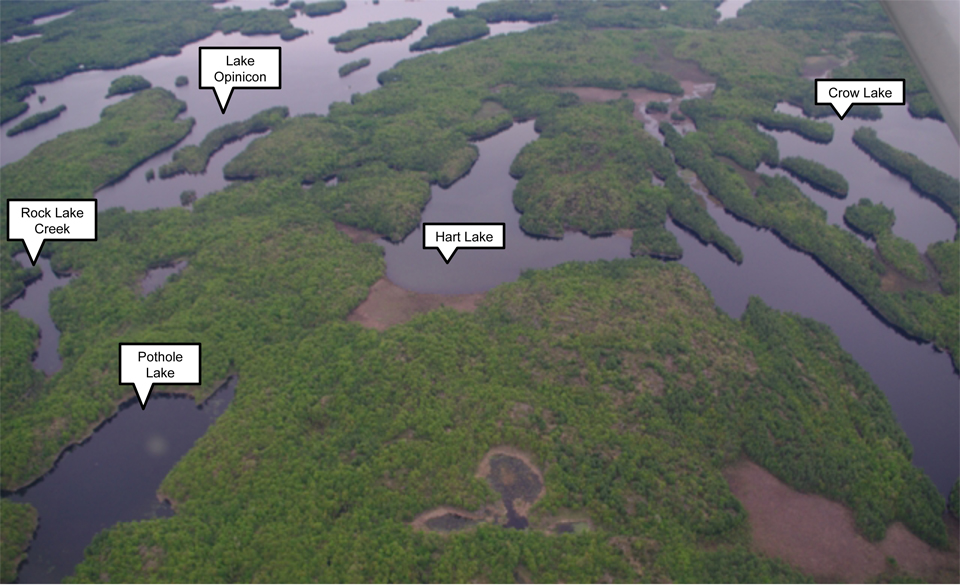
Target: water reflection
(34, 304)
(486, 195)
(112, 477)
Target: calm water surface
(114, 476)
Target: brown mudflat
(819, 537)
(388, 305)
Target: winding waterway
(114, 475)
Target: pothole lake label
(146, 364)
(34, 221)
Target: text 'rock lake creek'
(114, 475)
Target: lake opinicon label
(34, 221)
(843, 93)
(224, 69)
(447, 238)
(147, 364)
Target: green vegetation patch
(18, 522)
(780, 206)
(128, 84)
(603, 14)
(13, 276)
(902, 255)
(621, 380)
(929, 181)
(833, 18)
(375, 32)
(953, 501)
(327, 7)
(657, 108)
(194, 159)
(944, 256)
(181, 81)
(353, 66)
(452, 32)
(19, 380)
(888, 58)
(36, 120)
(819, 176)
(869, 219)
(821, 132)
(376, 198)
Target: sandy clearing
(388, 305)
(819, 537)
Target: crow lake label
(447, 238)
(841, 94)
(34, 221)
(147, 364)
(224, 69)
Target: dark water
(158, 276)
(34, 304)
(486, 195)
(112, 477)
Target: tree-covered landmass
(628, 393)
(819, 176)
(13, 276)
(258, 22)
(943, 189)
(77, 163)
(834, 18)
(944, 256)
(888, 58)
(19, 380)
(112, 35)
(810, 129)
(226, 299)
(376, 198)
(181, 80)
(657, 108)
(36, 120)
(11, 105)
(601, 14)
(780, 206)
(452, 32)
(18, 522)
(128, 84)
(902, 255)
(353, 66)
(20, 15)
(869, 219)
(194, 159)
(591, 171)
(375, 32)
(953, 501)
(324, 8)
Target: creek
(114, 475)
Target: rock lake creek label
(224, 69)
(146, 364)
(33, 221)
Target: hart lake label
(841, 94)
(224, 69)
(34, 221)
(447, 238)
(146, 364)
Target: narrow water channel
(112, 477)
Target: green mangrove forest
(623, 381)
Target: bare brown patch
(151, 557)
(388, 305)
(357, 235)
(819, 66)
(420, 522)
(819, 536)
